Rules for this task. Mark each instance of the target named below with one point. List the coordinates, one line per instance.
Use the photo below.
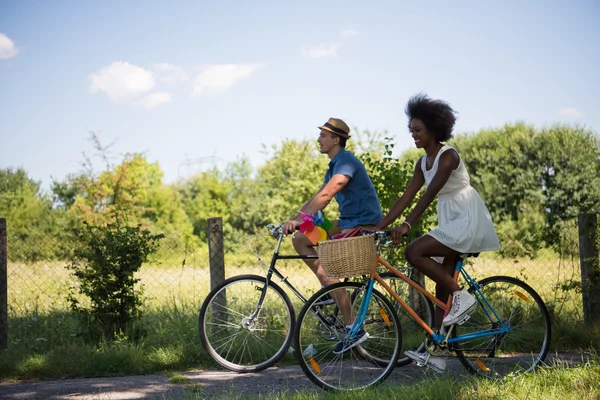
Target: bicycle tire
(413, 335)
(352, 369)
(516, 352)
(235, 341)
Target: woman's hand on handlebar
(397, 233)
(290, 226)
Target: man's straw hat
(337, 126)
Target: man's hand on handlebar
(290, 226)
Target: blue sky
(185, 80)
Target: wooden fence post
(590, 268)
(3, 286)
(216, 250)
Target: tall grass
(47, 341)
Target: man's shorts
(336, 233)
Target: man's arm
(326, 193)
(319, 201)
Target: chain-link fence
(181, 273)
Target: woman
(465, 225)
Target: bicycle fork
(362, 310)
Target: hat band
(335, 129)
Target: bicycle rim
(522, 347)
(352, 369)
(236, 340)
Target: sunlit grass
(560, 382)
(46, 340)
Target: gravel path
(209, 384)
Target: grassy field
(559, 382)
(46, 340)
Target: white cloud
(322, 50)
(348, 33)
(328, 49)
(7, 47)
(170, 73)
(122, 82)
(154, 100)
(221, 77)
(570, 112)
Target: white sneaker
(463, 304)
(438, 364)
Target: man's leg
(305, 247)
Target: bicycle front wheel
(241, 332)
(519, 316)
(319, 335)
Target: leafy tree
(569, 160)
(204, 196)
(390, 177)
(29, 216)
(502, 168)
(555, 170)
(289, 179)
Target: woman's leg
(418, 254)
(441, 292)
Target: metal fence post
(217, 265)
(3, 286)
(590, 267)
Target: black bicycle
(246, 323)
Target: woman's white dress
(465, 224)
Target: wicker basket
(344, 258)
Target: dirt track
(207, 384)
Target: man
(347, 181)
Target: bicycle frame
(273, 270)
(437, 338)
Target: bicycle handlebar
(276, 230)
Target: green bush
(105, 263)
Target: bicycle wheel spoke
(523, 331)
(413, 334)
(235, 335)
(324, 360)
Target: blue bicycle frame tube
(362, 311)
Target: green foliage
(518, 169)
(569, 160)
(390, 177)
(204, 196)
(523, 237)
(291, 177)
(105, 265)
(29, 216)
(502, 168)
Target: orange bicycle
(508, 334)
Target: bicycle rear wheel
(413, 334)
(523, 345)
(241, 334)
(354, 368)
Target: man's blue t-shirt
(358, 201)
